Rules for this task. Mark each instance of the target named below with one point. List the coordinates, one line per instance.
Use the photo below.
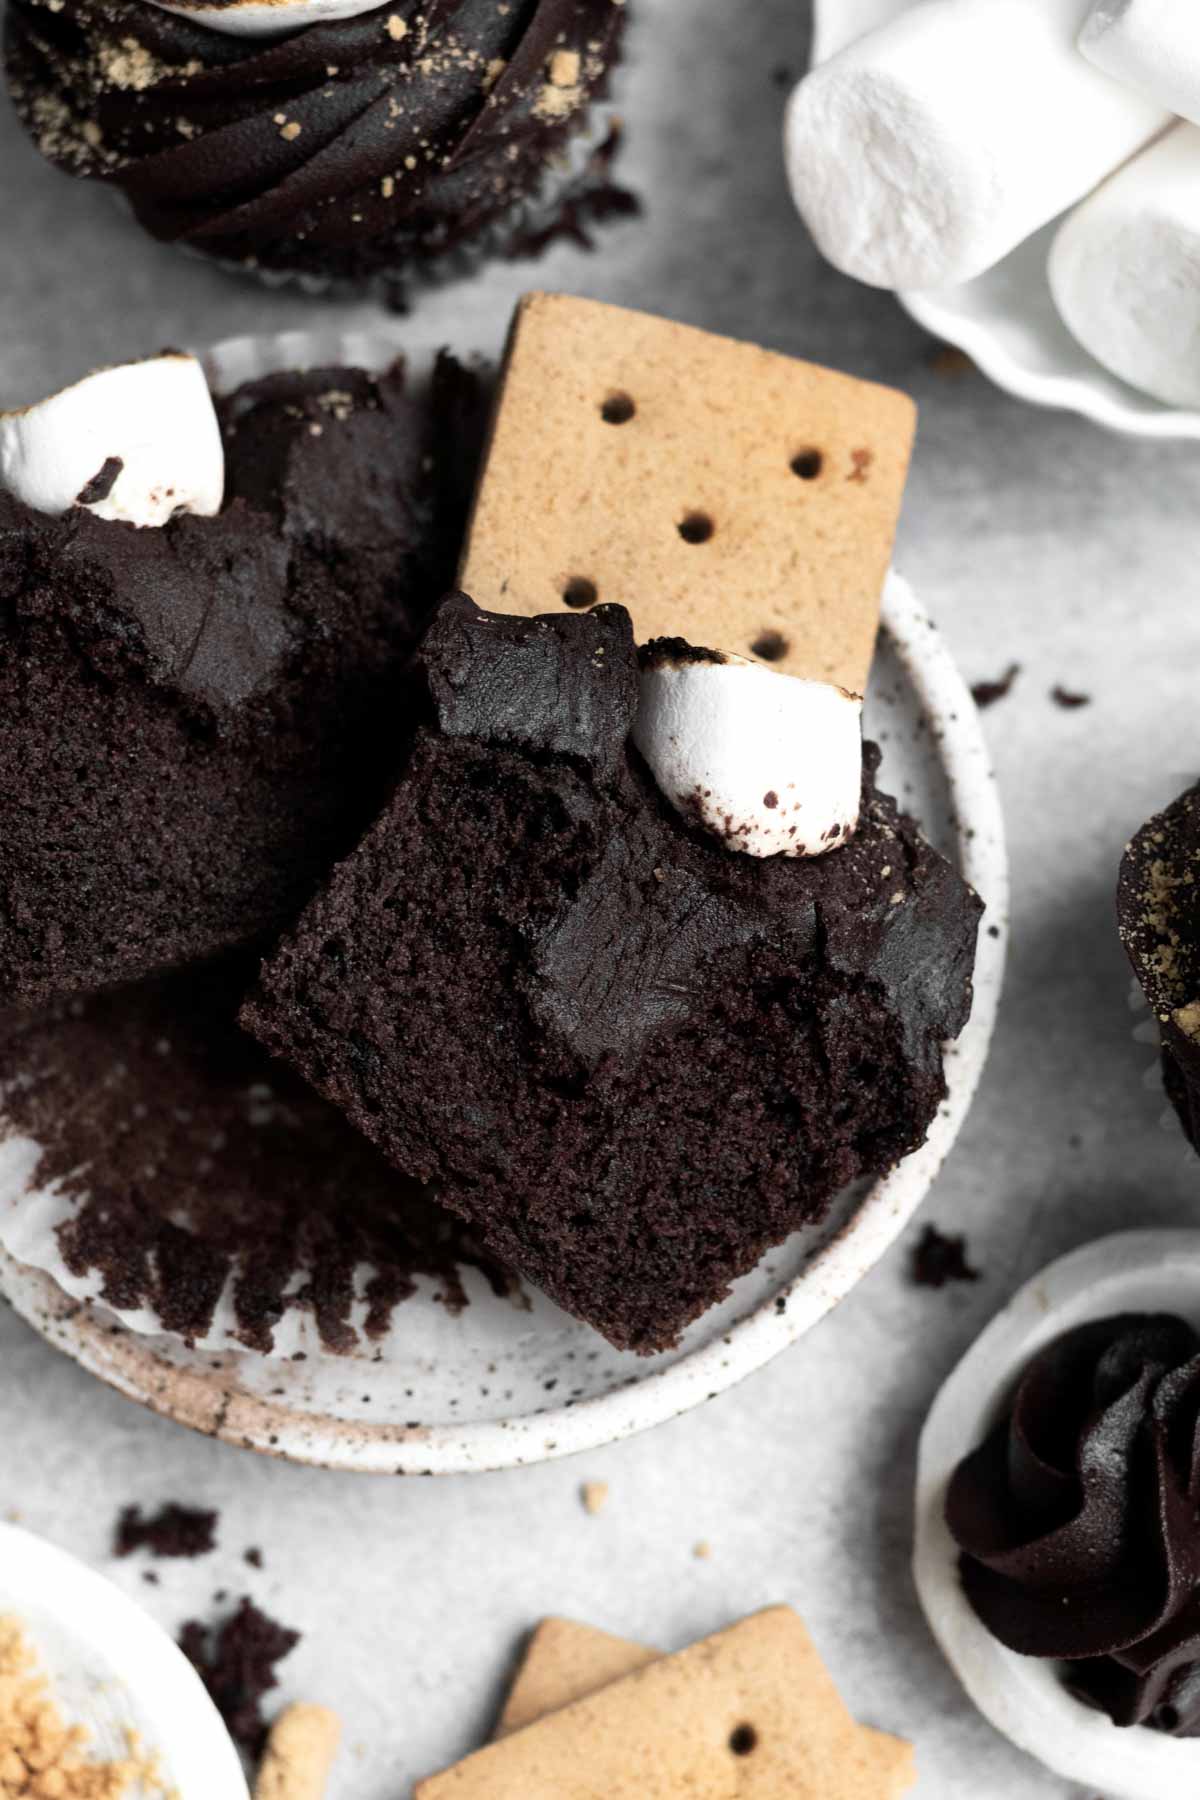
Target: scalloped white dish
(1022, 1696)
(1006, 320)
(501, 1383)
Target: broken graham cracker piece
(750, 1714)
(741, 499)
(299, 1756)
(565, 1661)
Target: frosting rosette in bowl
(1077, 1518)
(345, 150)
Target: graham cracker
(564, 1661)
(749, 1714)
(724, 493)
(299, 1755)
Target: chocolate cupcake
(203, 707)
(1158, 915)
(405, 140)
(1078, 1519)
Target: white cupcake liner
(31, 1212)
(1024, 1696)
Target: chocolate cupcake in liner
(378, 149)
(1057, 1552)
(1158, 916)
(153, 1159)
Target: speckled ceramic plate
(1023, 1696)
(1006, 320)
(114, 1670)
(504, 1384)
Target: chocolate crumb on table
(236, 1662)
(986, 693)
(172, 1531)
(938, 1258)
(1068, 700)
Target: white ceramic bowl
(1022, 1696)
(113, 1669)
(1006, 320)
(497, 1385)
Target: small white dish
(113, 1669)
(1023, 1696)
(1006, 320)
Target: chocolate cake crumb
(254, 1557)
(937, 1259)
(172, 1531)
(986, 693)
(193, 1159)
(236, 1662)
(1063, 697)
(102, 483)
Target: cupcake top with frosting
(1158, 914)
(341, 148)
(1078, 1518)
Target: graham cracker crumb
(396, 27)
(702, 1551)
(290, 132)
(563, 68)
(42, 1757)
(594, 1495)
(387, 186)
(299, 1755)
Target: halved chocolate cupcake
(201, 712)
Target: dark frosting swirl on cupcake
(343, 149)
(1158, 914)
(1078, 1518)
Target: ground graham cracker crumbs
(290, 132)
(594, 1495)
(42, 1757)
(396, 27)
(564, 68)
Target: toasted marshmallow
(137, 442)
(769, 762)
(271, 18)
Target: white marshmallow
(266, 18)
(925, 151)
(155, 418)
(1125, 270)
(1152, 45)
(771, 763)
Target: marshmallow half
(922, 153)
(136, 443)
(769, 762)
(1125, 270)
(268, 18)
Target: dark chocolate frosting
(1158, 915)
(1078, 1518)
(344, 148)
